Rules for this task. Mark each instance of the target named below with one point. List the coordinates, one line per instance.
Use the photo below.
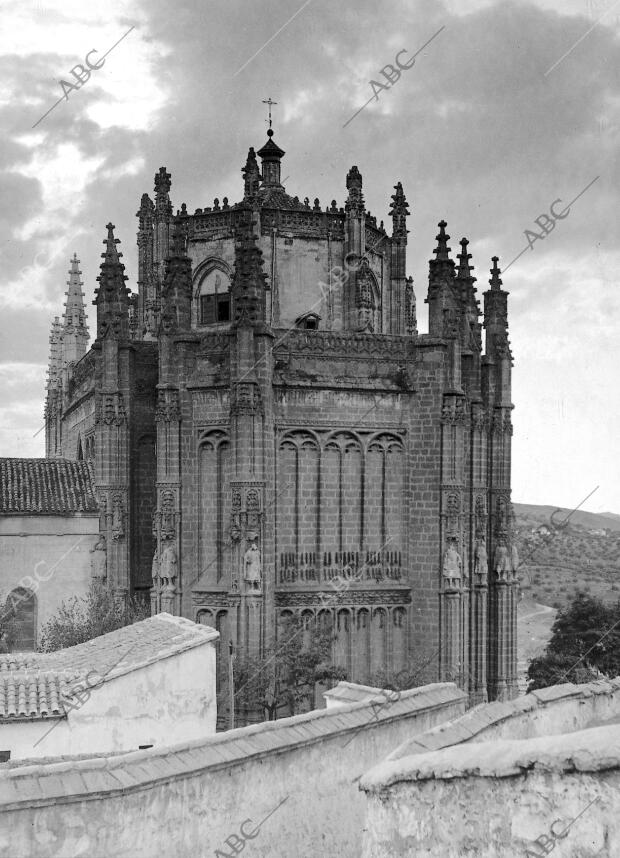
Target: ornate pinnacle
(464, 271)
(251, 174)
(442, 251)
(399, 204)
(249, 280)
(111, 253)
(162, 192)
(495, 281)
(399, 209)
(145, 212)
(355, 201)
(162, 182)
(354, 179)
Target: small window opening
(214, 308)
(308, 322)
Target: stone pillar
(503, 648)
(478, 688)
(451, 664)
(167, 587)
(513, 681)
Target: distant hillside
(583, 555)
(589, 520)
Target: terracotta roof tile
(46, 487)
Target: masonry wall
(295, 780)
(495, 779)
(501, 799)
(423, 502)
(143, 465)
(170, 700)
(49, 555)
(545, 712)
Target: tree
(414, 676)
(82, 618)
(286, 676)
(585, 643)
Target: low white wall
(295, 780)
(171, 700)
(499, 799)
(546, 712)
(492, 781)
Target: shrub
(81, 619)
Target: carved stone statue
(514, 558)
(168, 565)
(252, 567)
(452, 563)
(98, 561)
(155, 569)
(501, 562)
(118, 531)
(481, 560)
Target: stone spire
(270, 156)
(75, 330)
(399, 210)
(495, 281)
(464, 271)
(355, 200)
(249, 280)
(466, 290)
(465, 280)
(56, 355)
(496, 315)
(146, 284)
(251, 175)
(163, 205)
(112, 296)
(442, 251)
(176, 298)
(441, 298)
(53, 397)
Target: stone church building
(270, 435)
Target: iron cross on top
(270, 103)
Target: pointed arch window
(214, 298)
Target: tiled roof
(26, 781)
(46, 486)
(35, 694)
(33, 681)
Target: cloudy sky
(512, 106)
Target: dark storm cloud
(478, 132)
